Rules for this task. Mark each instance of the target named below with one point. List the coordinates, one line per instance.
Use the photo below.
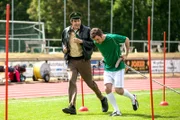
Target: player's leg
(84, 68)
(108, 81)
(72, 89)
(119, 88)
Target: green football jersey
(110, 50)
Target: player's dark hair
(96, 32)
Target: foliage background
(52, 13)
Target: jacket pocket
(87, 53)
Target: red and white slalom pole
(164, 103)
(7, 50)
(150, 71)
(82, 108)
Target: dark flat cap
(75, 15)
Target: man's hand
(124, 57)
(77, 40)
(64, 49)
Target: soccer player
(108, 45)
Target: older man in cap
(77, 48)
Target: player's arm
(127, 46)
(127, 49)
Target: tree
(20, 7)
(52, 14)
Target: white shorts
(116, 78)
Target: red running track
(32, 90)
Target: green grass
(50, 108)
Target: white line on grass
(44, 99)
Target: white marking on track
(46, 99)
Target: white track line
(47, 99)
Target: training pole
(7, 50)
(82, 108)
(164, 103)
(150, 71)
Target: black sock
(73, 106)
(103, 99)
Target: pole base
(83, 109)
(164, 103)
